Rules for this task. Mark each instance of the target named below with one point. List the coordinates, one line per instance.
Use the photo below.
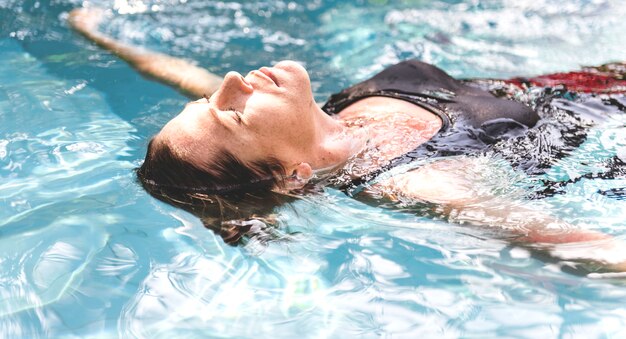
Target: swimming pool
(85, 252)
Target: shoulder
(414, 69)
(453, 181)
(409, 76)
(443, 181)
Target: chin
(293, 68)
(298, 74)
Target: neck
(335, 144)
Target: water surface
(86, 252)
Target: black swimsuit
(472, 118)
(431, 88)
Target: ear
(300, 176)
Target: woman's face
(268, 113)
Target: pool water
(84, 251)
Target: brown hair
(231, 198)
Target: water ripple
(85, 252)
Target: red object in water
(582, 81)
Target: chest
(394, 127)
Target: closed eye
(238, 115)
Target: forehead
(191, 133)
(186, 123)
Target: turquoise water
(85, 252)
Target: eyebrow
(212, 112)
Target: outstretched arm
(460, 197)
(190, 79)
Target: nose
(236, 81)
(234, 89)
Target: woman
(406, 136)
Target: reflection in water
(58, 164)
(237, 296)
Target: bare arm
(190, 79)
(460, 197)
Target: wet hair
(233, 199)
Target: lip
(243, 79)
(268, 72)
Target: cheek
(302, 86)
(281, 122)
(283, 116)
(267, 113)
(278, 131)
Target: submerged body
(264, 133)
(470, 118)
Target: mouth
(243, 79)
(268, 72)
